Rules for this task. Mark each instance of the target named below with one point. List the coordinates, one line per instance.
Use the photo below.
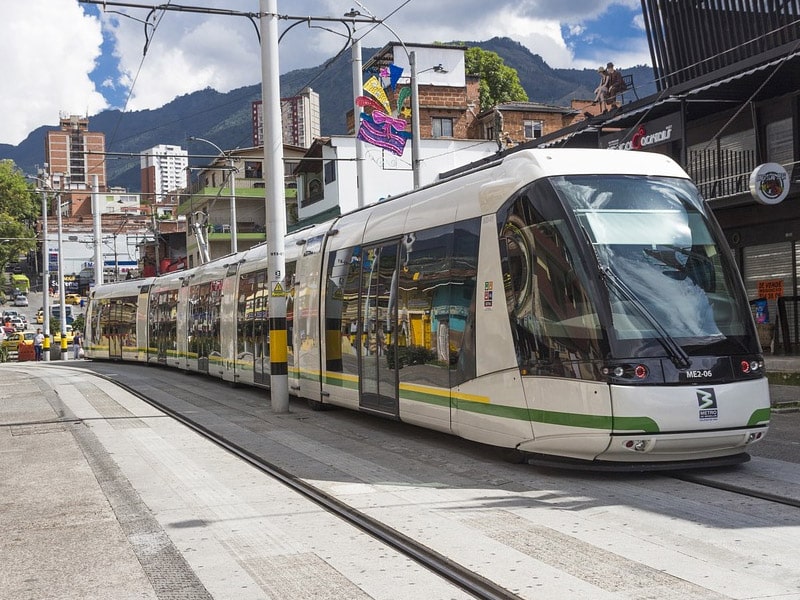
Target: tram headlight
(636, 445)
(626, 371)
(751, 366)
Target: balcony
(721, 173)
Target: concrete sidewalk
(103, 496)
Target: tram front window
(654, 238)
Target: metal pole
(232, 166)
(61, 282)
(45, 281)
(234, 228)
(98, 233)
(415, 119)
(275, 199)
(358, 85)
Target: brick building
(75, 155)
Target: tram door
(378, 326)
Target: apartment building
(164, 170)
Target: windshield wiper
(676, 354)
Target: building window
(315, 191)
(533, 129)
(442, 127)
(253, 170)
(330, 172)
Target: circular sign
(769, 183)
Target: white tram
(575, 305)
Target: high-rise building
(74, 156)
(76, 152)
(299, 117)
(164, 170)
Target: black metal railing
(720, 173)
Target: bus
(55, 313)
(20, 282)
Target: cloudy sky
(64, 56)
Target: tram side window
(99, 307)
(427, 329)
(126, 308)
(553, 320)
(117, 318)
(204, 316)
(463, 275)
(252, 316)
(436, 304)
(163, 324)
(343, 330)
(291, 283)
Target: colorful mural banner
(374, 88)
(381, 127)
(382, 134)
(394, 76)
(365, 102)
(401, 98)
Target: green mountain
(226, 118)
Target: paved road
(107, 498)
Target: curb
(783, 378)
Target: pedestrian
(616, 85)
(38, 344)
(76, 345)
(601, 91)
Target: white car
(18, 324)
(21, 300)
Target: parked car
(69, 335)
(13, 341)
(18, 323)
(21, 300)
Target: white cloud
(51, 46)
(48, 48)
(185, 53)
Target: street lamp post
(415, 118)
(45, 267)
(229, 157)
(275, 201)
(62, 310)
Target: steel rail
(457, 574)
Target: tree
(18, 211)
(499, 83)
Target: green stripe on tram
(759, 417)
(442, 398)
(551, 417)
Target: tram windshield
(670, 278)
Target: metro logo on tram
(707, 402)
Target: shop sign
(644, 135)
(769, 183)
(770, 289)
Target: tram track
(748, 492)
(459, 575)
